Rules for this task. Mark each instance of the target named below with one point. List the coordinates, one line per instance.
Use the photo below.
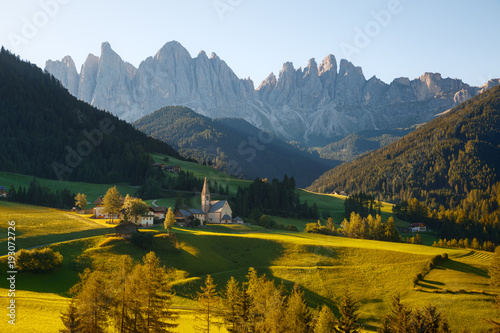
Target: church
(216, 211)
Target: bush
(144, 240)
(38, 260)
(291, 227)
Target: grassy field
(39, 225)
(324, 266)
(92, 191)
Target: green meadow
(324, 266)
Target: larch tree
(208, 306)
(348, 322)
(71, 319)
(169, 220)
(81, 201)
(93, 302)
(121, 295)
(298, 318)
(157, 296)
(232, 305)
(325, 321)
(112, 202)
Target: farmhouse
(3, 192)
(418, 227)
(172, 168)
(158, 212)
(146, 220)
(126, 230)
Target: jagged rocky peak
(65, 72)
(311, 68)
(172, 50)
(329, 64)
(269, 83)
(346, 67)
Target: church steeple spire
(205, 197)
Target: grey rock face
(315, 101)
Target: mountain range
(318, 102)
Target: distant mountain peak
(325, 100)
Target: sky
(387, 38)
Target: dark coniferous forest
(46, 132)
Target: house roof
(126, 226)
(98, 201)
(237, 218)
(416, 225)
(226, 217)
(185, 212)
(3, 188)
(216, 206)
(196, 211)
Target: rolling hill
(232, 145)
(46, 132)
(438, 163)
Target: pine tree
(70, 319)
(399, 321)
(297, 315)
(348, 322)
(232, 305)
(157, 296)
(208, 300)
(122, 298)
(93, 302)
(325, 322)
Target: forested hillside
(232, 145)
(46, 132)
(439, 163)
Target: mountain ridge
(322, 99)
(232, 145)
(438, 163)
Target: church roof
(205, 190)
(216, 206)
(196, 211)
(226, 217)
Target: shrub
(291, 227)
(38, 260)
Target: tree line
(358, 227)
(278, 198)
(254, 305)
(39, 195)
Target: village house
(159, 212)
(172, 168)
(126, 230)
(418, 227)
(146, 220)
(3, 192)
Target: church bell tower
(205, 197)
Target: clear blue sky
(255, 37)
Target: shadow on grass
(464, 268)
